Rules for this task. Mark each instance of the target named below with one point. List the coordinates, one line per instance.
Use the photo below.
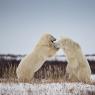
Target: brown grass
(51, 71)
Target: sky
(23, 22)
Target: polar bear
(45, 48)
(78, 68)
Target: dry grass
(10, 73)
(49, 71)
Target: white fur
(78, 68)
(33, 61)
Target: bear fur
(44, 49)
(78, 68)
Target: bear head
(48, 44)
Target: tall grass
(51, 70)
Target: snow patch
(46, 89)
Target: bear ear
(60, 41)
(64, 37)
(49, 36)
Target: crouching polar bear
(78, 68)
(33, 61)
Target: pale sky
(22, 22)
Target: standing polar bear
(78, 68)
(33, 61)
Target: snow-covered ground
(63, 58)
(47, 88)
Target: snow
(57, 88)
(62, 88)
(63, 58)
(57, 57)
(46, 89)
(11, 57)
(92, 58)
(93, 77)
